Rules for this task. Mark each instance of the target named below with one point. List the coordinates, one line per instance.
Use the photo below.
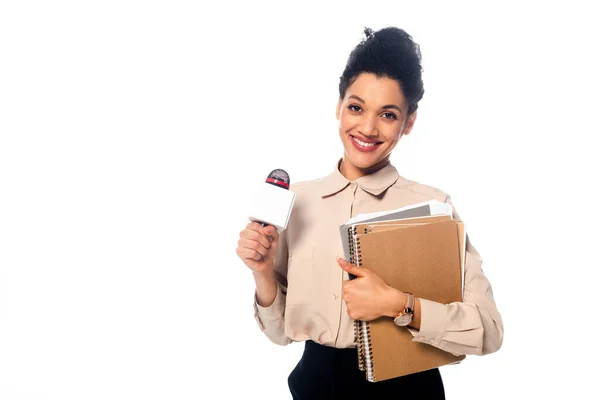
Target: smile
(364, 146)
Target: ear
(410, 122)
(338, 109)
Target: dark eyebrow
(357, 98)
(394, 107)
(352, 96)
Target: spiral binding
(369, 358)
(358, 338)
(359, 346)
(362, 330)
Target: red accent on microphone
(278, 182)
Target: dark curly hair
(389, 52)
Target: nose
(368, 125)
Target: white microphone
(273, 201)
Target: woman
(302, 287)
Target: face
(373, 117)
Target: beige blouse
(309, 305)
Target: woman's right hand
(257, 247)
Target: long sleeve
(271, 319)
(473, 326)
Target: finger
(345, 286)
(255, 226)
(253, 245)
(350, 268)
(346, 296)
(250, 234)
(248, 254)
(271, 232)
(352, 313)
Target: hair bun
(389, 52)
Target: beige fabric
(309, 305)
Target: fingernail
(342, 261)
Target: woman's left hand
(367, 296)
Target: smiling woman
(302, 290)
(372, 118)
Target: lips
(365, 146)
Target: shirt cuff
(433, 323)
(273, 312)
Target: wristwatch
(405, 317)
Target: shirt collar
(375, 183)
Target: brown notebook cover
(424, 259)
(389, 225)
(380, 226)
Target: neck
(352, 172)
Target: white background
(132, 131)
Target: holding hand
(257, 247)
(368, 297)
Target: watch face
(403, 320)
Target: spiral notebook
(421, 255)
(426, 208)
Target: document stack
(418, 249)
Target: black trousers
(329, 373)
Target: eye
(354, 107)
(389, 115)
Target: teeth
(364, 144)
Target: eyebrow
(352, 96)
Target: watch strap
(410, 303)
